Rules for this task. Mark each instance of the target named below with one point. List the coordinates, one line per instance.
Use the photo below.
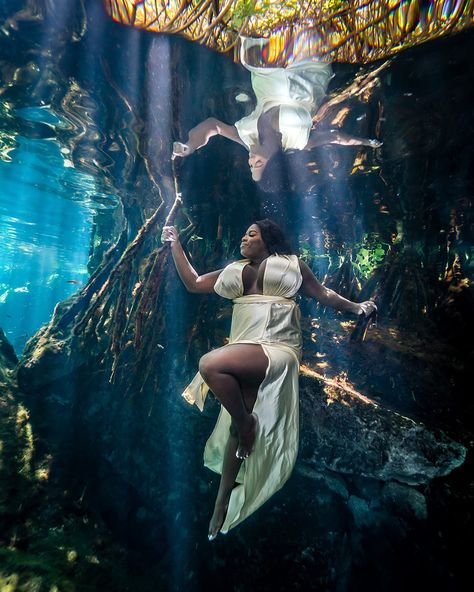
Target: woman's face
(257, 163)
(252, 245)
(259, 155)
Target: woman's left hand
(367, 308)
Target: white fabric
(297, 89)
(281, 277)
(273, 321)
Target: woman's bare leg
(234, 374)
(230, 470)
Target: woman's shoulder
(229, 282)
(237, 263)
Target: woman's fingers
(169, 234)
(374, 143)
(368, 307)
(180, 149)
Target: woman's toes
(217, 519)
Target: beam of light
(356, 31)
(159, 88)
(340, 383)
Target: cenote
(116, 121)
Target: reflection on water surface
(348, 30)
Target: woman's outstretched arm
(320, 138)
(199, 136)
(198, 284)
(314, 289)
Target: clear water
(46, 213)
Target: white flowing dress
(272, 320)
(297, 89)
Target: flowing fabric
(297, 89)
(272, 320)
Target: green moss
(25, 438)
(368, 255)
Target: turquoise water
(46, 214)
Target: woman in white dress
(287, 100)
(255, 376)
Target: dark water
(103, 482)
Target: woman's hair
(276, 177)
(273, 237)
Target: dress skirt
(273, 323)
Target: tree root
(362, 86)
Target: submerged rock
(8, 360)
(361, 511)
(409, 502)
(47, 358)
(350, 434)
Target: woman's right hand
(374, 143)
(169, 234)
(181, 150)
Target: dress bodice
(298, 90)
(282, 277)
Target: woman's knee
(207, 365)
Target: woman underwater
(255, 377)
(287, 100)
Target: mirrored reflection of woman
(287, 100)
(255, 376)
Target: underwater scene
(236, 295)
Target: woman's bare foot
(217, 519)
(247, 438)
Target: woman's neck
(258, 260)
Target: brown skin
(269, 139)
(235, 372)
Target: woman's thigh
(247, 362)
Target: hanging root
(143, 318)
(150, 289)
(123, 267)
(61, 319)
(362, 85)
